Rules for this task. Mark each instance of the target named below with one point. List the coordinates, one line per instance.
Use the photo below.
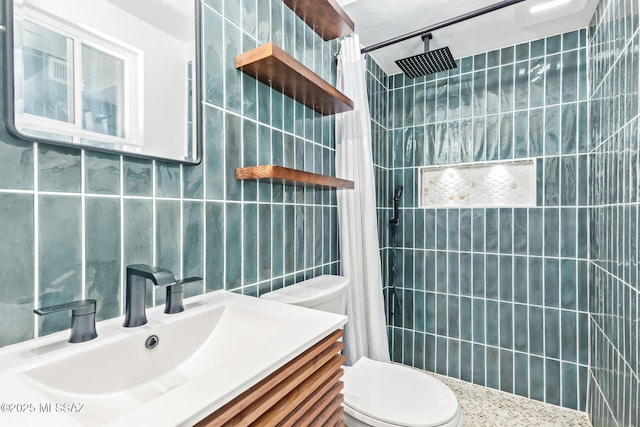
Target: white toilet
(375, 393)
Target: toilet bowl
(376, 393)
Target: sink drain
(152, 342)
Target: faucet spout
(136, 291)
(159, 276)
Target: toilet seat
(386, 395)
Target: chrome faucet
(136, 292)
(83, 318)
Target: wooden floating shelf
(326, 17)
(291, 176)
(276, 68)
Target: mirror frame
(9, 94)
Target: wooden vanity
(304, 392)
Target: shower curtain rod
(466, 16)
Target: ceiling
(380, 20)
(175, 17)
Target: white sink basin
(186, 348)
(220, 346)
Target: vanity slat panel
(330, 389)
(319, 404)
(259, 399)
(336, 418)
(289, 402)
(330, 414)
(308, 378)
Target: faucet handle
(79, 308)
(174, 295)
(83, 318)
(188, 280)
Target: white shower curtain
(365, 332)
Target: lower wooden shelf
(291, 176)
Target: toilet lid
(398, 395)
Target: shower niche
(493, 184)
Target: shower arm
(443, 24)
(425, 39)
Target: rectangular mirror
(114, 75)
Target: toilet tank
(326, 293)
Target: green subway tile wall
(72, 219)
(495, 296)
(614, 40)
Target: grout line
(181, 242)
(485, 68)
(154, 228)
(497, 253)
(225, 111)
(243, 203)
(282, 276)
(270, 126)
(484, 344)
(604, 334)
(204, 208)
(122, 236)
(178, 199)
(604, 398)
(616, 60)
(497, 301)
(223, 279)
(83, 226)
(175, 199)
(36, 236)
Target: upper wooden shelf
(276, 68)
(291, 176)
(326, 17)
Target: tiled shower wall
(378, 94)
(496, 296)
(614, 290)
(71, 219)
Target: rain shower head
(429, 62)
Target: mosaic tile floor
(486, 407)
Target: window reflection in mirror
(112, 74)
(103, 99)
(46, 59)
(45, 63)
